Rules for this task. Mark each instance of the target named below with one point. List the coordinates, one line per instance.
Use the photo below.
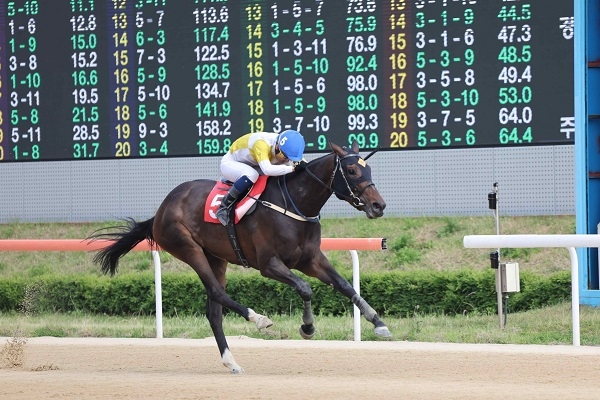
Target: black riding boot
(226, 204)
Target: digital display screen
(101, 79)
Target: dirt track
(87, 368)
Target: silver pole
(498, 272)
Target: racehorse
(272, 241)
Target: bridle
(350, 191)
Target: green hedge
(389, 293)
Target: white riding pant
(232, 170)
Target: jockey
(275, 153)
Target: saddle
(245, 206)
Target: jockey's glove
(300, 166)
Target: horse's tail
(125, 238)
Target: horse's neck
(309, 194)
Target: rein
(352, 196)
(308, 219)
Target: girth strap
(231, 233)
(287, 212)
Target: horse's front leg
(307, 329)
(276, 269)
(322, 269)
(370, 315)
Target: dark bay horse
(272, 241)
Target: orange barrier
(84, 245)
(353, 244)
(60, 245)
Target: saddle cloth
(213, 201)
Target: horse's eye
(351, 171)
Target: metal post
(493, 205)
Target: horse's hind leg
(211, 271)
(214, 314)
(219, 268)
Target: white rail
(350, 244)
(158, 289)
(531, 241)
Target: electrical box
(510, 277)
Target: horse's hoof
(303, 331)
(260, 320)
(237, 370)
(383, 331)
(263, 322)
(229, 362)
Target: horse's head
(352, 181)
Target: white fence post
(158, 290)
(356, 285)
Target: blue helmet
(292, 144)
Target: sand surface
(90, 368)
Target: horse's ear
(355, 146)
(337, 149)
